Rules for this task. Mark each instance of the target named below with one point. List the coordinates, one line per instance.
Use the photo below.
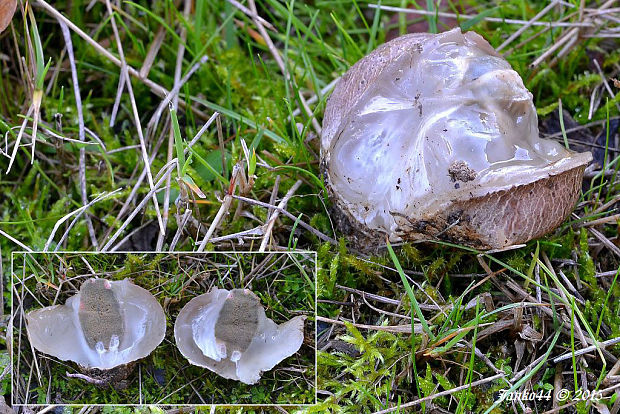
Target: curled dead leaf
(7, 9)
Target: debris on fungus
(228, 333)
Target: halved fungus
(228, 333)
(106, 325)
(436, 137)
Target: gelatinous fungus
(106, 325)
(228, 333)
(436, 137)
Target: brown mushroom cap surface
(436, 137)
(7, 9)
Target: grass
(554, 296)
(284, 283)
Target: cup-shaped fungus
(434, 136)
(228, 333)
(106, 325)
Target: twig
(180, 228)
(174, 92)
(216, 221)
(467, 16)
(152, 53)
(387, 328)
(251, 14)
(600, 72)
(303, 224)
(155, 88)
(276, 213)
(602, 220)
(615, 249)
(586, 350)
(86, 378)
(203, 130)
(441, 394)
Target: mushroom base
(494, 221)
(115, 377)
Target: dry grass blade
(134, 107)
(81, 133)
(155, 87)
(77, 212)
(526, 26)
(175, 100)
(276, 55)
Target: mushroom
(106, 325)
(228, 333)
(7, 9)
(434, 136)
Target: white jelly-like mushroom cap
(426, 121)
(106, 324)
(206, 336)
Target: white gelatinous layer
(56, 330)
(446, 120)
(203, 326)
(271, 344)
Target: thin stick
(152, 53)
(303, 224)
(251, 14)
(180, 228)
(588, 349)
(526, 26)
(202, 130)
(600, 72)
(85, 378)
(276, 213)
(442, 393)
(174, 92)
(117, 100)
(81, 134)
(565, 38)
(467, 16)
(216, 221)
(19, 138)
(602, 220)
(389, 328)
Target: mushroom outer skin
(511, 205)
(244, 361)
(58, 330)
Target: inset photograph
(164, 328)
